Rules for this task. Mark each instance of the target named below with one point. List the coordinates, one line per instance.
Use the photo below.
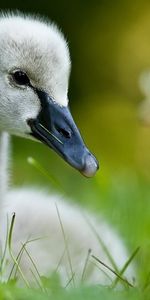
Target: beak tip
(90, 167)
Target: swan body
(37, 217)
(34, 72)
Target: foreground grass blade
(113, 271)
(101, 270)
(19, 256)
(70, 280)
(66, 246)
(34, 265)
(51, 178)
(128, 262)
(86, 263)
(54, 136)
(102, 244)
(10, 250)
(60, 260)
(147, 282)
(5, 248)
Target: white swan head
(34, 73)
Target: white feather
(40, 49)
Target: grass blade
(86, 263)
(70, 280)
(126, 265)
(102, 244)
(35, 267)
(11, 252)
(19, 256)
(54, 136)
(60, 261)
(113, 271)
(66, 245)
(51, 178)
(104, 272)
(5, 248)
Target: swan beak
(55, 127)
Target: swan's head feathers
(34, 74)
(40, 51)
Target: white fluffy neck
(4, 160)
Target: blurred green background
(109, 43)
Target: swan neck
(4, 163)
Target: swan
(34, 71)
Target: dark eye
(20, 78)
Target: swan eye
(20, 78)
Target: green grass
(8, 292)
(124, 200)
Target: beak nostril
(65, 133)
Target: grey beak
(55, 127)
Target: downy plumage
(34, 72)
